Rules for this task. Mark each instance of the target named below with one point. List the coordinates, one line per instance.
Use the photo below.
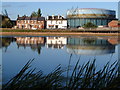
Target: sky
(59, 0)
(51, 8)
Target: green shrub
(89, 25)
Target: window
(24, 21)
(51, 26)
(28, 21)
(18, 21)
(34, 21)
(59, 22)
(39, 22)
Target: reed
(82, 76)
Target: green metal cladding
(79, 17)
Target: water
(52, 51)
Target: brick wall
(113, 24)
(28, 24)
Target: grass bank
(54, 33)
(57, 30)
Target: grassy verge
(43, 30)
(57, 30)
(67, 32)
(82, 76)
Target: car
(34, 28)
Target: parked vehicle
(34, 28)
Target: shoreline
(57, 34)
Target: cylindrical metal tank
(79, 17)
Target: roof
(115, 21)
(20, 18)
(41, 18)
(27, 18)
(92, 9)
(31, 18)
(56, 18)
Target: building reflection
(35, 43)
(56, 42)
(89, 46)
(74, 45)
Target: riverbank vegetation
(90, 26)
(5, 21)
(81, 76)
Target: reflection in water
(34, 42)
(50, 58)
(6, 41)
(89, 46)
(56, 42)
(74, 45)
(0, 70)
(119, 60)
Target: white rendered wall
(56, 40)
(61, 23)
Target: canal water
(51, 51)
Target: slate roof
(34, 18)
(31, 18)
(41, 18)
(56, 18)
(27, 18)
(20, 18)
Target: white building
(56, 42)
(54, 22)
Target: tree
(5, 13)
(89, 25)
(39, 13)
(36, 14)
(6, 22)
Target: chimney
(63, 16)
(47, 17)
(18, 15)
(58, 16)
(52, 16)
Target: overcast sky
(51, 8)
